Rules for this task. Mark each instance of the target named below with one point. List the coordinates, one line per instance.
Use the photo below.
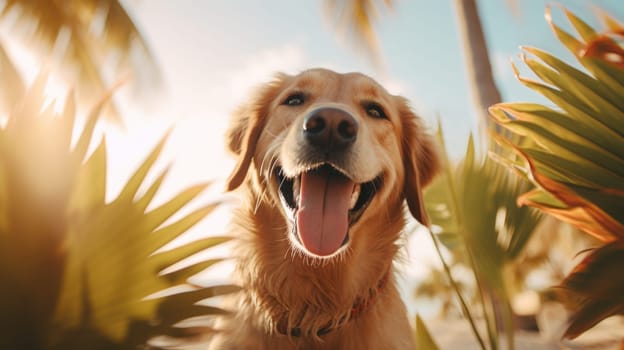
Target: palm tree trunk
(482, 86)
(484, 94)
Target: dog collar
(360, 305)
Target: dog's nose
(330, 128)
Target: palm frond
(356, 18)
(473, 207)
(575, 157)
(591, 291)
(573, 153)
(81, 272)
(423, 337)
(88, 38)
(12, 85)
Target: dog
(325, 162)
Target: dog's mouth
(323, 203)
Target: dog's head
(333, 149)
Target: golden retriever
(326, 161)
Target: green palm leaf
(578, 147)
(573, 153)
(473, 207)
(82, 272)
(357, 17)
(423, 337)
(90, 56)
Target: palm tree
(574, 154)
(478, 67)
(85, 38)
(77, 271)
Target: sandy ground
(608, 335)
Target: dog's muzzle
(321, 197)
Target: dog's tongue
(323, 216)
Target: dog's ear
(246, 126)
(420, 161)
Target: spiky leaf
(574, 156)
(598, 288)
(423, 337)
(76, 270)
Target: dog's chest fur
(279, 282)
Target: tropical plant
(95, 42)
(470, 212)
(572, 152)
(423, 337)
(357, 17)
(77, 271)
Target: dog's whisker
(268, 156)
(259, 200)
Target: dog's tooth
(354, 196)
(296, 190)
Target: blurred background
(183, 66)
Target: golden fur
(282, 282)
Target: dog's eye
(375, 111)
(294, 100)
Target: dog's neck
(290, 291)
(359, 307)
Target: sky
(213, 53)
